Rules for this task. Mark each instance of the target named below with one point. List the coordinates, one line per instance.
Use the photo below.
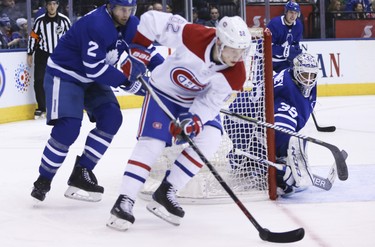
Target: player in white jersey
(194, 83)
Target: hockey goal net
(248, 179)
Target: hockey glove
(186, 124)
(285, 182)
(286, 51)
(135, 64)
(134, 87)
(294, 50)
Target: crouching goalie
(294, 101)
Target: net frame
(203, 187)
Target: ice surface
(343, 216)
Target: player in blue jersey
(79, 76)
(286, 32)
(294, 101)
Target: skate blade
(163, 214)
(82, 195)
(43, 116)
(36, 203)
(118, 224)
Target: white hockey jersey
(188, 76)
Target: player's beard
(119, 22)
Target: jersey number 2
(93, 46)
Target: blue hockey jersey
(282, 36)
(91, 48)
(292, 109)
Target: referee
(46, 32)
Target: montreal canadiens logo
(185, 79)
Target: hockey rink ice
(341, 217)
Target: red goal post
(252, 181)
(270, 112)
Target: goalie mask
(305, 72)
(233, 32)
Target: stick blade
(282, 237)
(340, 157)
(342, 168)
(326, 128)
(323, 129)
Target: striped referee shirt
(46, 32)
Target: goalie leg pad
(298, 162)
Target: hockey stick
(320, 128)
(342, 169)
(317, 181)
(264, 233)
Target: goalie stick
(264, 233)
(317, 181)
(324, 128)
(342, 169)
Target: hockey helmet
(292, 6)
(305, 72)
(123, 2)
(233, 32)
(126, 3)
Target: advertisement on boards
(341, 62)
(16, 86)
(355, 28)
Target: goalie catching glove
(186, 124)
(135, 64)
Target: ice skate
(41, 187)
(38, 114)
(83, 185)
(165, 205)
(121, 214)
